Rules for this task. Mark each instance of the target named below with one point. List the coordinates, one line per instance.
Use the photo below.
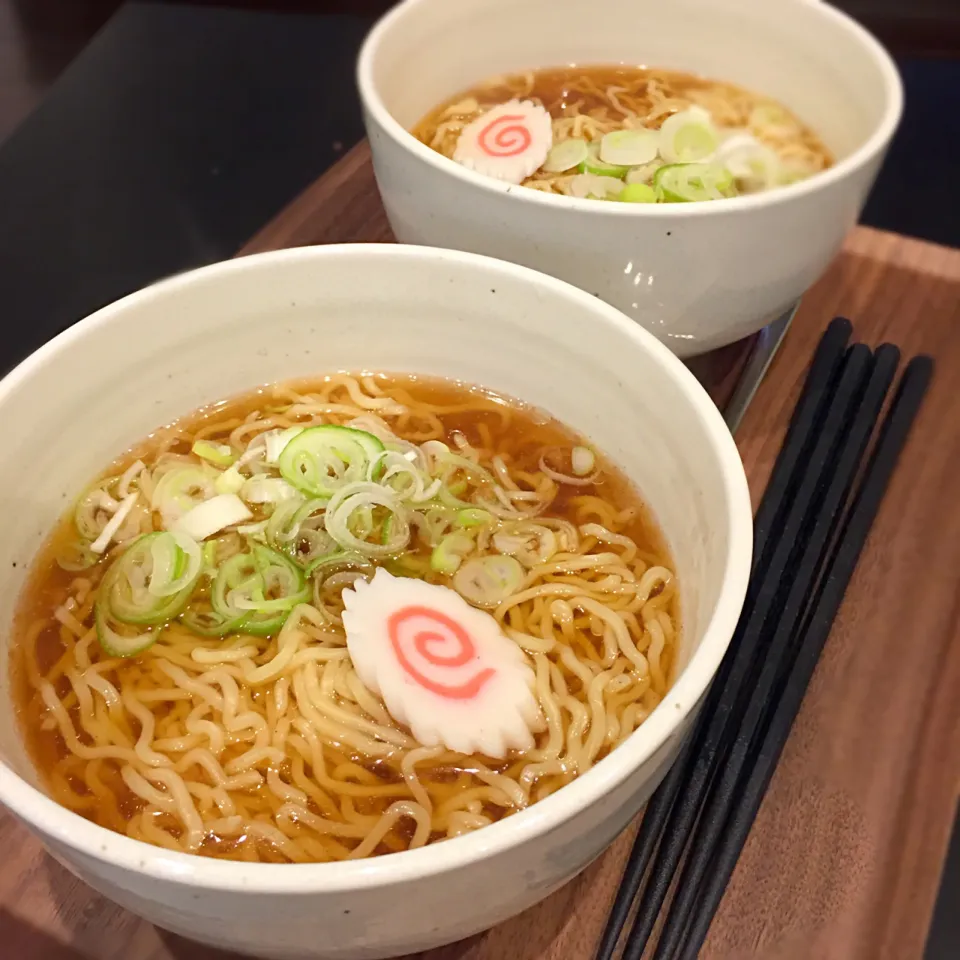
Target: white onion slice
(276, 440)
(128, 476)
(265, 489)
(104, 501)
(212, 516)
(114, 524)
(582, 460)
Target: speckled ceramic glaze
(697, 275)
(108, 381)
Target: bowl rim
(874, 144)
(69, 829)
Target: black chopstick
(800, 436)
(844, 462)
(651, 826)
(893, 436)
(809, 409)
(823, 425)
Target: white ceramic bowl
(108, 381)
(697, 275)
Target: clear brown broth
(520, 440)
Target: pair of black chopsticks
(811, 526)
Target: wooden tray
(844, 860)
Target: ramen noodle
(341, 618)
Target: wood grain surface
(845, 857)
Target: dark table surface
(181, 130)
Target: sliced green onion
(449, 553)
(284, 584)
(450, 463)
(152, 580)
(449, 495)
(629, 148)
(688, 137)
(432, 449)
(593, 164)
(686, 182)
(488, 581)
(75, 556)
(217, 551)
(284, 523)
(180, 489)
(396, 470)
(412, 567)
(238, 573)
(765, 116)
(261, 586)
(339, 571)
(565, 156)
(434, 522)
(321, 460)
(265, 624)
(309, 545)
(219, 454)
(638, 193)
(294, 528)
(594, 187)
(356, 499)
(750, 161)
(121, 644)
(230, 481)
(386, 528)
(199, 617)
(176, 564)
(336, 562)
(530, 543)
(474, 517)
(255, 531)
(92, 507)
(644, 173)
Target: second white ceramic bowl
(161, 353)
(697, 275)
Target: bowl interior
(809, 58)
(109, 381)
